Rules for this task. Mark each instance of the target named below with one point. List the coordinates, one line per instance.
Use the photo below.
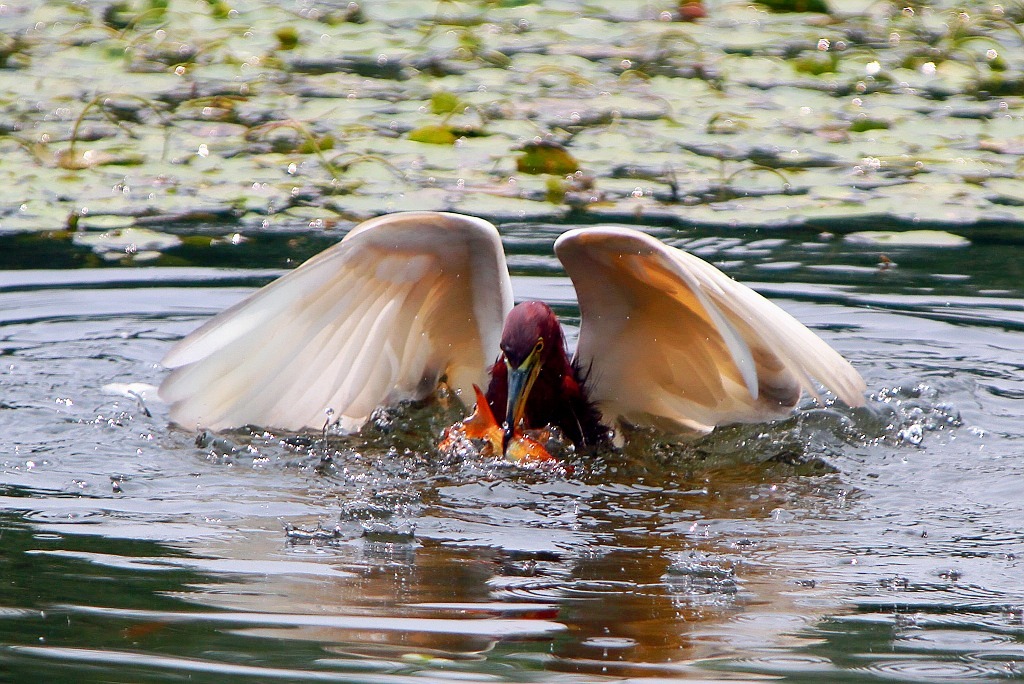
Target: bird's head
(532, 339)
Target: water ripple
(929, 670)
(119, 660)
(904, 513)
(493, 628)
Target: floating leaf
(546, 157)
(908, 238)
(794, 95)
(555, 189)
(75, 160)
(287, 38)
(313, 145)
(433, 135)
(219, 9)
(865, 123)
(443, 102)
(817, 63)
(1007, 146)
(102, 222)
(132, 243)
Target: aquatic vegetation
(448, 106)
(548, 157)
(158, 97)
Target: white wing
(672, 342)
(373, 320)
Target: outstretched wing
(376, 319)
(668, 340)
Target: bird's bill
(520, 382)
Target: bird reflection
(410, 300)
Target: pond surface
(884, 543)
(272, 114)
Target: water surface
(882, 543)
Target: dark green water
(877, 544)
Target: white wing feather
(671, 342)
(378, 318)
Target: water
(882, 543)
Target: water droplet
(912, 434)
(609, 642)
(781, 515)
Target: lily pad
(444, 102)
(546, 157)
(78, 160)
(133, 243)
(236, 108)
(433, 135)
(908, 238)
(866, 123)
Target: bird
(409, 300)
(535, 383)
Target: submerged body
(666, 340)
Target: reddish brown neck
(557, 396)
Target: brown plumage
(558, 393)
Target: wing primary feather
(671, 340)
(306, 381)
(296, 358)
(739, 350)
(368, 321)
(362, 366)
(291, 392)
